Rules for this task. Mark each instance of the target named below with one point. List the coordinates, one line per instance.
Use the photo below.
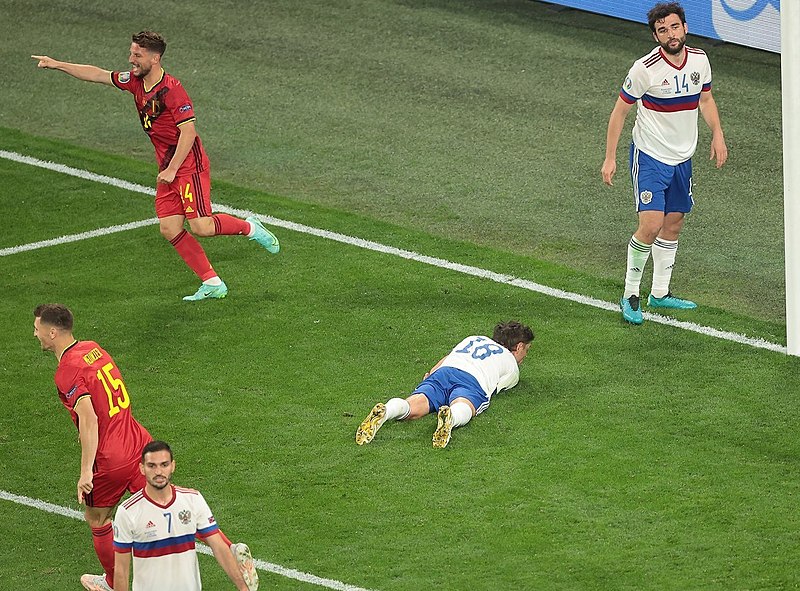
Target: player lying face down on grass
(460, 385)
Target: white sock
(638, 253)
(664, 252)
(397, 408)
(215, 280)
(461, 413)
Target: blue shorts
(446, 384)
(658, 186)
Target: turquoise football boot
(670, 301)
(216, 292)
(631, 310)
(263, 236)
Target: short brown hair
(150, 41)
(511, 333)
(662, 10)
(57, 315)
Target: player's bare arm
(87, 432)
(122, 570)
(185, 143)
(616, 122)
(80, 71)
(435, 367)
(708, 108)
(225, 559)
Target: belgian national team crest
(185, 516)
(695, 76)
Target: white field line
(260, 564)
(75, 237)
(406, 254)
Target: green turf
(478, 119)
(629, 458)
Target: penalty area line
(259, 564)
(406, 254)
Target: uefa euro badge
(645, 197)
(695, 78)
(185, 517)
(628, 83)
(124, 77)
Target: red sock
(193, 255)
(227, 225)
(103, 540)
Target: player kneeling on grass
(158, 526)
(461, 385)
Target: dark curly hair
(511, 333)
(662, 10)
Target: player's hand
(608, 170)
(85, 485)
(44, 61)
(719, 150)
(166, 176)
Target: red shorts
(110, 485)
(188, 195)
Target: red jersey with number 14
(85, 369)
(162, 110)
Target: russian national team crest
(695, 76)
(645, 197)
(185, 517)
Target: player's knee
(419, 405)
(95, 520)
(648, 232)
(169, 232)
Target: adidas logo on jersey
(665, 83)
(149, 525)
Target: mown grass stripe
(411, 255)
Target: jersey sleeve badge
(124, 77)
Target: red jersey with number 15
(162, 110)
(85, 369)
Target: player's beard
(676, 49)
(161, 485)
(143, 71)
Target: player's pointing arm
(79, 71)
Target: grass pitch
(627, 458)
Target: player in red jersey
(183, 184)
(91, 388)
